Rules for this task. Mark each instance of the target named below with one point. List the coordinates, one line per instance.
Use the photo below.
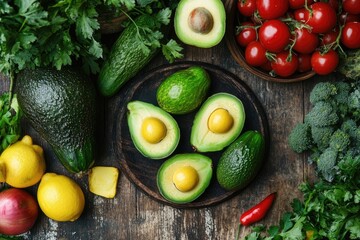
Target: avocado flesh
(61, 106)
(192, 37)
(199, 162)
(137, 112)
(204, 140)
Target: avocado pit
(185, 178)
(201, 20)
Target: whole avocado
(61, 107)
(241, 161)
(183, 91)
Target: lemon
(22, 163)
(60, 198)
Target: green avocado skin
(61, 107)
(184, 91)
(241, 161)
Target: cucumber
(126, 57)
(241, 161)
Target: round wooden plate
(141, 170)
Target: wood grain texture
(132, 214)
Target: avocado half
(201, 163)
(202, 138)
(138, 111)
(200, 23)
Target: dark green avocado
(241, 161)
(61, 107)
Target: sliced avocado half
(200, 23)
(184, 177)
(218, 123)
(154, 132)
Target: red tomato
(329, 37)
(255, 54)
(305, 41)
(301, 14)
(351, 6)
(274, 35)
(334, 4)
(322, 19)
(247, 34)
(246, 7)
(350, 35)
(296, 4)
(271, 9)
(345, 17)
(326, 63)
(267, 66)
(304, 62)
(282, 67)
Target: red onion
(18, 211)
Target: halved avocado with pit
(218, 123)
(184, 177)
(200, 23)
(154, 132)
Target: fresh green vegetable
(350, 64)
(331, 129)
(61, 106)
(133, 50)
(35, 33)
(330, 208)
(10, 115)
(241, 161)
(184, 91)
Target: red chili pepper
(257, 212)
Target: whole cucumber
(126, 57)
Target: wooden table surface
(132, 214)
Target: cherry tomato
(266, 66)
(301, 14)
(350, 35)
(329, 37)
(345, 17)
(305, 41)
(255, 54)
(351, 6)
(246, 7)
(304, 63)
(296, 4)
(282, 67)
(326, 63)
(334, 4)
(322, 19)
(274, 35)
(247, 34)
(271, 9)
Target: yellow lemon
(60, 198)
(22, 163)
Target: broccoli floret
(354, 103)
(322, 91)
(321, 115)
(326, 163)
(339, 141)
(343, 91)
(300, 138)
(321, 136)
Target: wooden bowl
(238, 53)
(111, 20)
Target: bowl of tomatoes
(291, 40)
